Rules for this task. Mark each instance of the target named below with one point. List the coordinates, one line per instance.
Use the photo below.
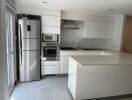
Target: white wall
(71, 38)
(3, 63)
(76, 38)
(95, 31)
(116, 42)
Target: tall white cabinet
(51, 23)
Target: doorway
(10, 35)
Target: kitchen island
(97, 76)
(65, 54)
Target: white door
(10, 34)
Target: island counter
(97, 76)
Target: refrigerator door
(29, 28)
(30, 44)
(30, 65)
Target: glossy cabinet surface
(49, 67)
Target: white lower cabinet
(49, 67)
(64, 61)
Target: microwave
(50, 37)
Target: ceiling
(96, 6)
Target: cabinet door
(64, 64)
(127, 43)
(94, 29)
(51, 21)
(47, 29)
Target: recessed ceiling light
(111, 9)
(44, 2)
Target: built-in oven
(50, 52)
(50, 37)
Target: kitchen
(56, 47)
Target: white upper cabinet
(50, 29)
(51, 21)
(51, 12)
(51, 24)
(98, 29)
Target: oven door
(50, 53)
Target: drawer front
(50, 63)
(47, 70)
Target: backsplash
(94, 43)
(74, 40)
(71, 38)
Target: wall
(71, 38)
(116, 42)
(3, 63)
(95, 31)
(75, 38)
(112, 40)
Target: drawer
(50, 63)
(46, 70)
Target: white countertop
(79, 50)
(87, 52)
(120, 58)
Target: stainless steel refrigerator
(29, 49)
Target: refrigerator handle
(20, 43)
(20, 36)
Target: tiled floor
(50, 88)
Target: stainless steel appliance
(29, 48)
(50, 37)
(50, 52)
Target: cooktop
(71, 48)
(68, 48)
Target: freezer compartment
(30, 44)
(29, 28)
(29, 65)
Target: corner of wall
(116, 42)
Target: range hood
(69, 25)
